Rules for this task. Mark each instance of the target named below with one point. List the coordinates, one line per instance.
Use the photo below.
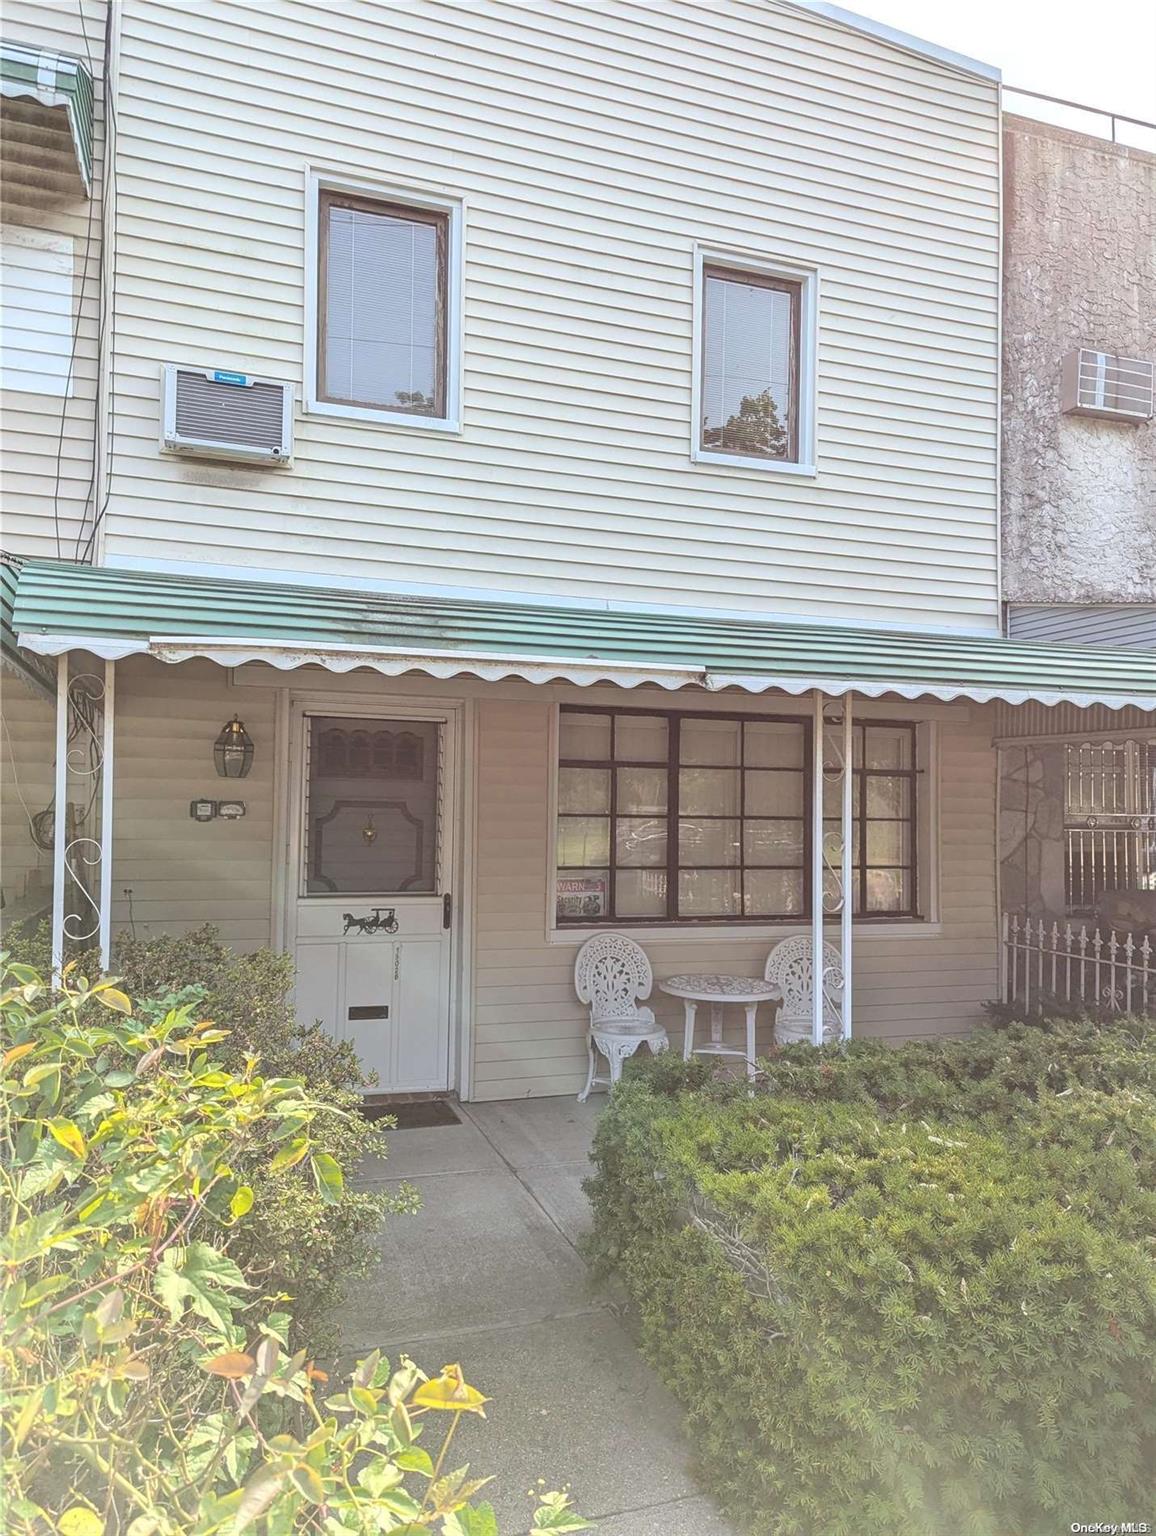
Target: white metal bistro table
(718, 990)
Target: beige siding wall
(180, 872)
(26, 757)
(47, 440)
(913, 981)
(593, 145)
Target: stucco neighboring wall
(1079, 494)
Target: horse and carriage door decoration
(373, 907)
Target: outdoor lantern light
(233, 751)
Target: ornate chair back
(611, 974)
(790, 966)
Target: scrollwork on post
(82, 923)
(85, 706)
(835, 769)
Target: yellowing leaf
(259, 1492)
(27, 1417)
(233, 1366)
(290, 1155)
(308, 1483)
(16, 1052)
(79, 1521)
(241, 1202)
(112, 997)
(450, 1393)
(69, 1137)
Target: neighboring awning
(1120, 626)
(116, 613)
(46, 110)
(31, 670)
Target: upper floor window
(385, 291)
(755, 349)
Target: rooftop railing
(1117, 127)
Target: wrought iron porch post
(85, 709)
(107, 768)
(60, 816)
(847, 828)
(817, 904)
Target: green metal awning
(46, 107)
(174, 617)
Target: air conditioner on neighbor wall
(1103, 384)
(217, 413)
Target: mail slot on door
(369, 1011)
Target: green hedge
(901, 1292)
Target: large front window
(698, 818)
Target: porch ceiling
(116, 613)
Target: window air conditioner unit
(1102, 384)
(216, 413)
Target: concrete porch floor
(488, 1274)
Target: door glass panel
(371, 807)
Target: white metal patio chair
(611, 974)
(790, 966)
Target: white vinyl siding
(49, 385)
(36, 312)
(171, 873)
(26, 787)
(593, 149)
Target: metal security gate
(1109, 820)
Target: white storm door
(374, 907)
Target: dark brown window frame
(328, 198)
(860, 868)
(793, 287)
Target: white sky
(1098, 52)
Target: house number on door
(379, 920)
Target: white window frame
(808, 279)
(317, 182)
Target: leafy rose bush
(149, 1384)
(310, 1248)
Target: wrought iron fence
(1042, 963)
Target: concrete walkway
(488, 1274)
